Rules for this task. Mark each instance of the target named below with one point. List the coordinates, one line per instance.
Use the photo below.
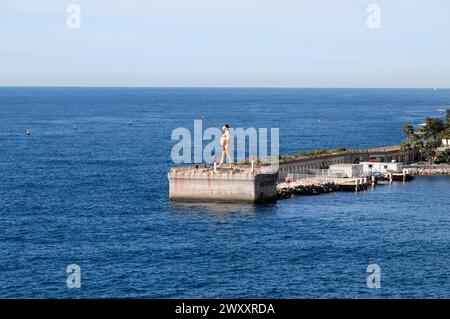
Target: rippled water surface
(97, 196)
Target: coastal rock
(430, 171)
(288, 192)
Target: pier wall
(205, 185)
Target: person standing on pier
(225, 142)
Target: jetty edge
(200, 183)
(260, 183)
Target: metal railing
(311, 173)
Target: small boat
(28, 131)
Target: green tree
(408, 131)
(432, 128)
(446, 155)
(428, 153)
(417, 141)
(447, 118)
(405, 147)
(428, 138)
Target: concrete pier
(243, 184)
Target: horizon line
(221, 87)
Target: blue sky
(231, 43)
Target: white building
(446, 142)
(445, 145)
(381, 167)
(345, 170)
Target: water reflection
(219, 210)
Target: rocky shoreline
(429, 171)
(295, 190)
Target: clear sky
(249, 43)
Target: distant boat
(422, 124)
(28, 131)
(74, 126)
(130, 123)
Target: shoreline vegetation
(427, 140)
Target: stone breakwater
(295, 190)
(319, 185)
(430, 171)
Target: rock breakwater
(430, 171)
(289, 191)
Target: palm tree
(408, 131)
(405, 148)
(417, 145)
(432, 128)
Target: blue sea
(97, 197)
